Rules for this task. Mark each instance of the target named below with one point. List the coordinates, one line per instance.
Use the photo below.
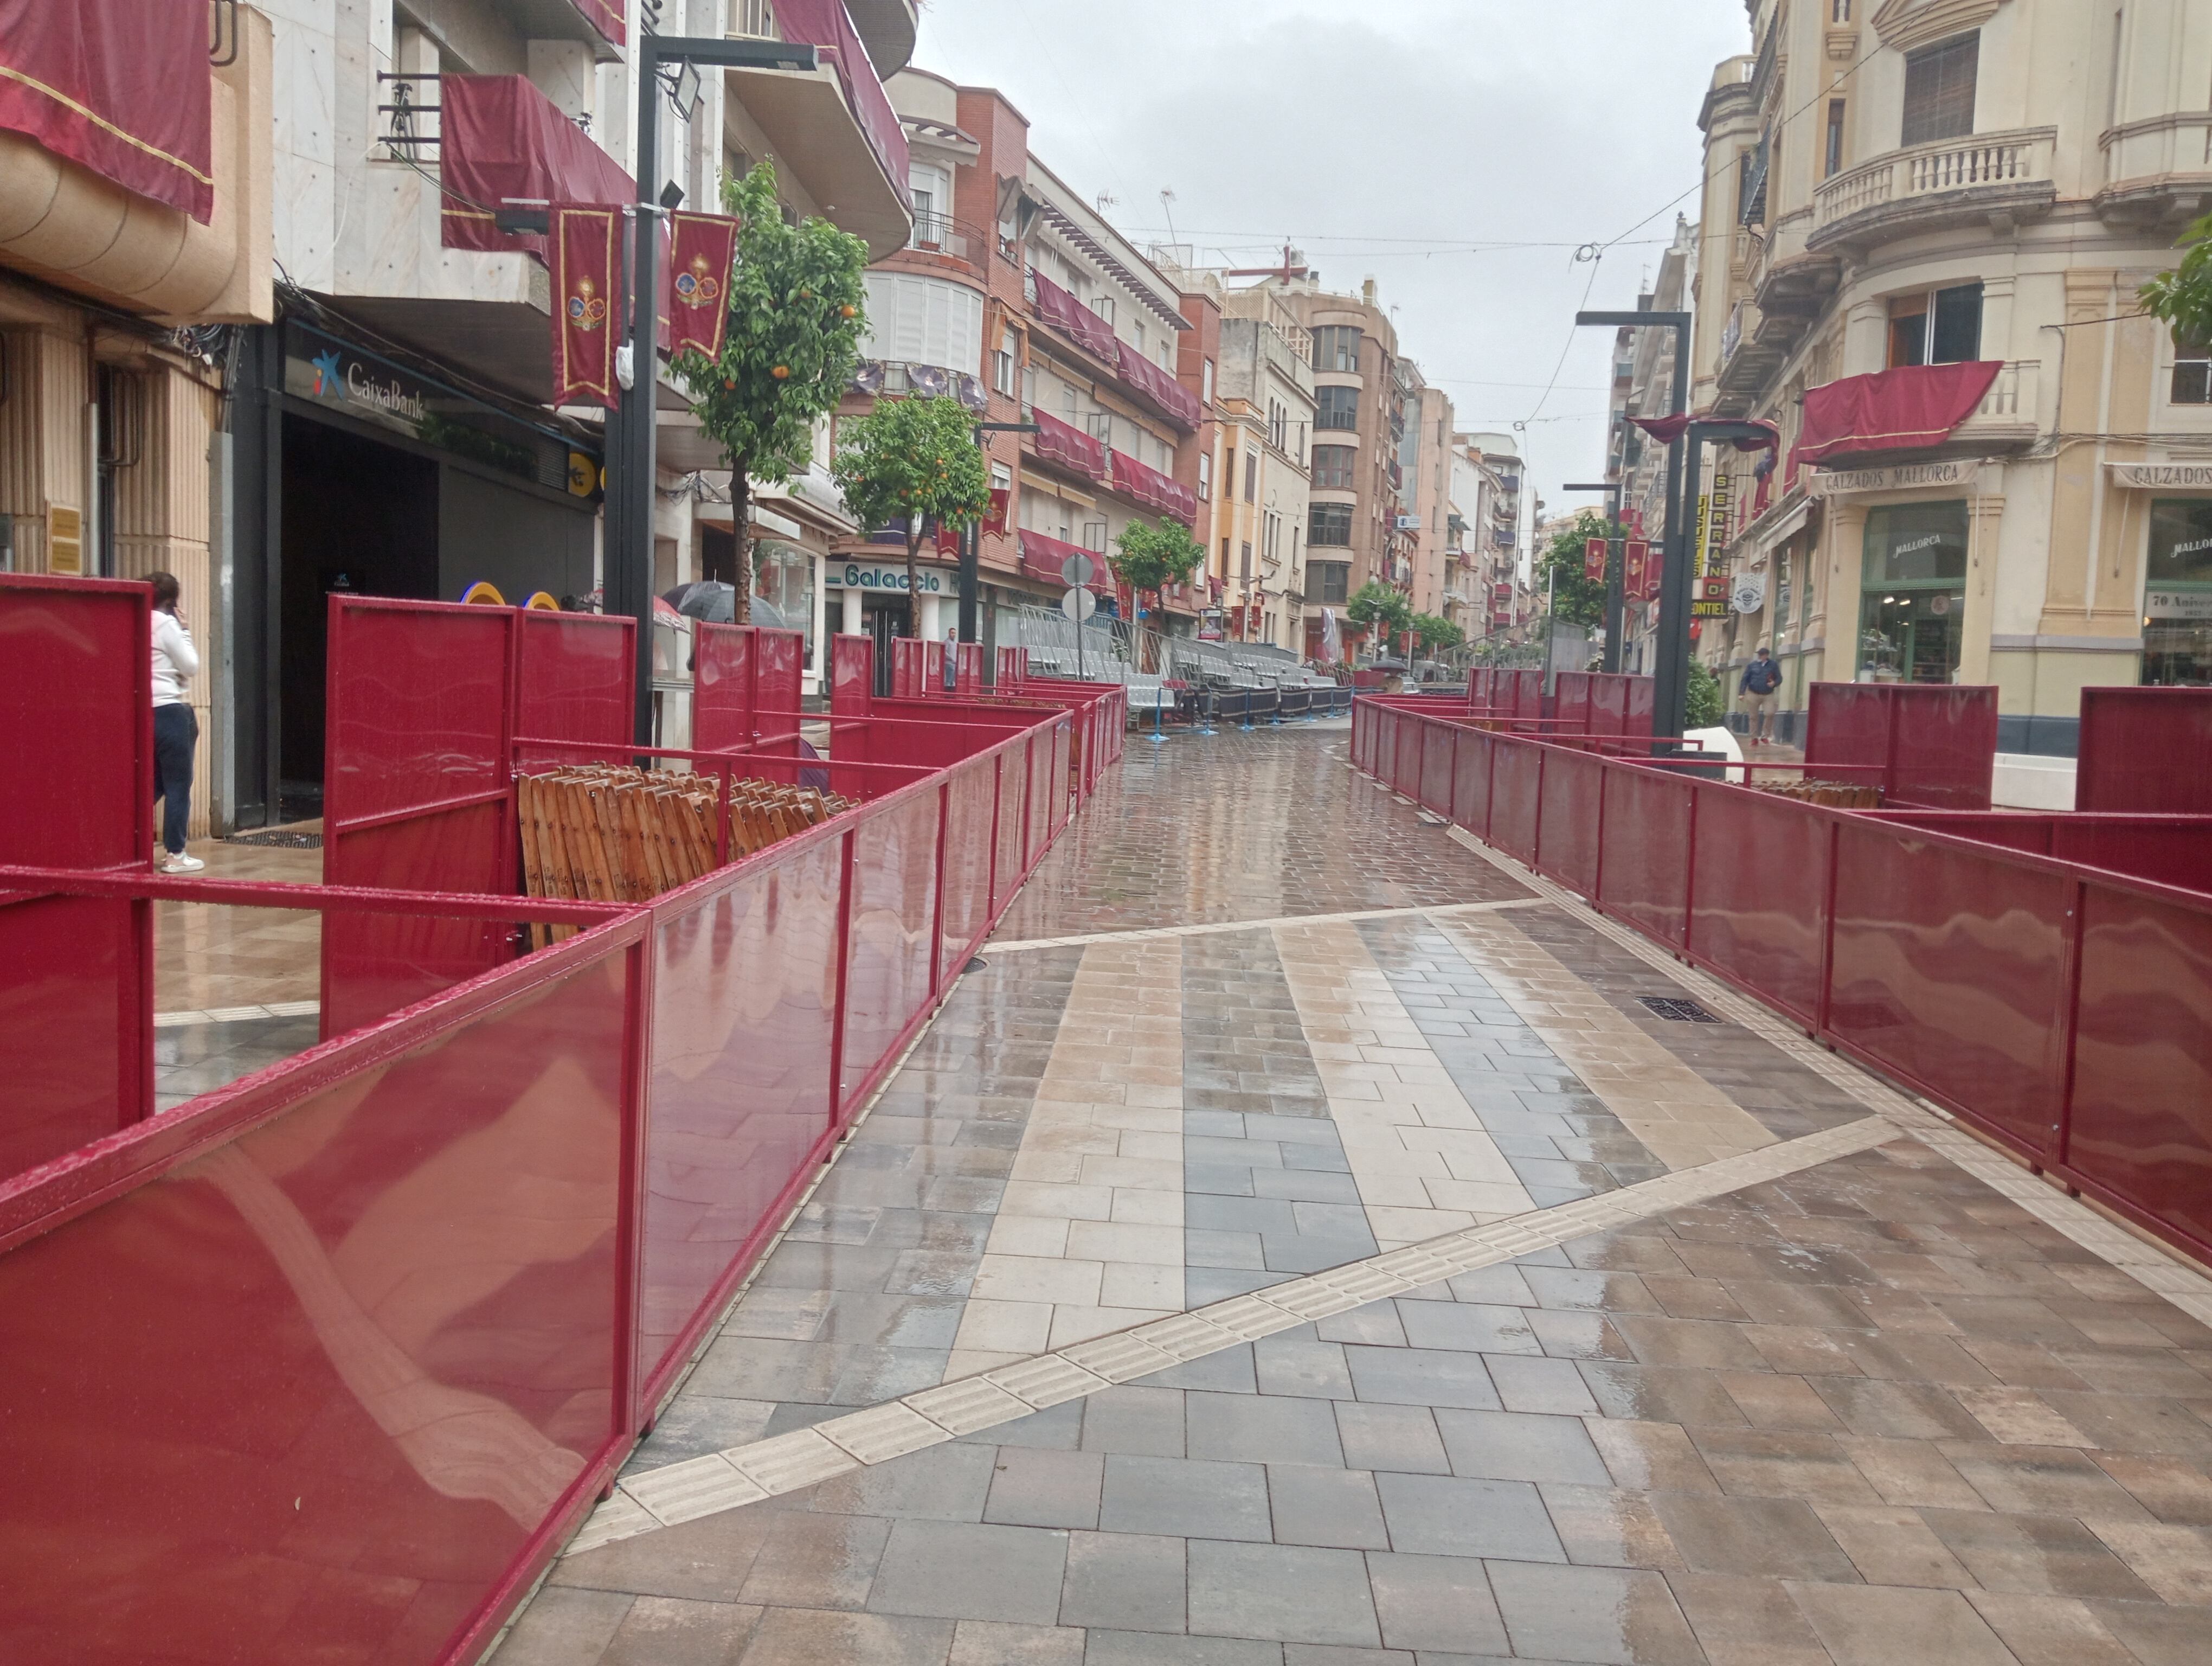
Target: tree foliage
(913, 459)
(797, 314)
(1436, 634)
(1575, 600)
(1706, 705)
(1146, 555)
(1381, 609)
(2183, 297)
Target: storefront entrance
(2177, 595)
(1912, 601)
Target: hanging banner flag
(1636, 561)
(1001, 497)
(1594, 560)
(587, 314)
(696, 300)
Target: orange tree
(915, 460)
(797, 315)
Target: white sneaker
(181, 863)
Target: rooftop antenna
(1167, 200)
(1105, 200)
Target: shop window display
(2177, 594)
(783, 575)
(1913, 594)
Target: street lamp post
(628, 580)
(1670, 691)
(1615, 560)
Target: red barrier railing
(2045, 978)
(2130, 742)
(415, 1292)
(1933, 745)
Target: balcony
(2007, 418)
(1143, 484)
(1065, 446)
(1064, 312)
(832, 127)
(2156, 170)
(941, 234)
(1992, 180)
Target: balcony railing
(1984, 161)
(2009, 409)
(940, 233)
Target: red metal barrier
(1934, 745)
(2131, 739)
(77, 754)
(2043, 979)
(746, 684)
(379, 1322)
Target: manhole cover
(1681, 1012)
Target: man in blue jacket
(1761, 678)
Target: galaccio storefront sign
(867, 575)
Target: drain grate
(1681, 1012)
(279, 840)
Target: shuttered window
(923, 320)
(1939, 90)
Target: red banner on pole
(1001, 497)
(695, 299)
(1594, 560)
(587, 311)
(1636, 562)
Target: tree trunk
(914, 524)
(741, 518)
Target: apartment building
(1266, 391)
(1424, 463)
(135, 199)
(1498, 554)
(1957, 200)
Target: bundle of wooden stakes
(603, 834)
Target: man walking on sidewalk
(1761, 678)
(176, 730)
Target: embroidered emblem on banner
(698, 286)
(587, 309)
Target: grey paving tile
(1291, 1363)
(1402, 1438)
(1044, 1487)
(1421, 1377)
(1140, 1421)
(1184, 1498)
(806, 1636)
(1229, 1371)
(1436, 1603)
(666, 1630)
(1445, 1515)
(1467, 1327)
(565, 1628)
(814, 1561)
(1268, 1429)
(1129, 1582)
(965, 1570)
(1284, 1593)
(1518, 1446)
(1604, 1615)
(947, 1483)
(1147, 1648)
(1330, 1507)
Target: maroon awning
(1070, 448)
(1901, 409)
(824, 25)
(504, 140)
(1042, 558)
(1056, 307)
(117, 86)
(1154, 490)
(1668, 430)
(1169, 396)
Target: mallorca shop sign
(2162, 476)
(866, 575)
(1915, 477)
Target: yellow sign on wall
(64, 539)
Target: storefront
(1913, 593)
(2177, 594)
(378, 479)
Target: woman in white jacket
(176, 730)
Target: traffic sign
(1078, 604)
(1078, 570)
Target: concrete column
(564, 72)
(1835, 619)
(1985, 521)
(1866, 339)
(928, 627)
(852, 625)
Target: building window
(1244, 563)
(1251, 475)
(1832, 159)
(2177, 596)
(1205, 478)
(1336, 349)
(1912, 593)
(1331, 582)
(1140, 337)
(1939, 90)
(1205, 384)
(1279, 424)
(1002, 478)
(1333, 467)
(1340, 408)
(1331, 525)
(1006, 364)
(1103, 306)
(1942, 328)
(1094, 536)
(2193, 372)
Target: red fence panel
(1573, 699)
(1642, 706)
(2140, 1129)
(781, 656)
(906, 668)
(1949, 972)
(724, 677)
(1527, 693)
(1608, 704)
(851, 676)
(1573, 809)
(745, 1016)
(416, 796)
(1515, 778)
(970, 669)
(1436, 784)
(341, 1354)
(575, 679)
(1471, 780)
(1758, 893)
(1935, 745)
(970, 796)
(2131, 739)
(1406, 756)
(1644, 852)
(1008, 870)
(76, 751)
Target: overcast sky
(1382, 138)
